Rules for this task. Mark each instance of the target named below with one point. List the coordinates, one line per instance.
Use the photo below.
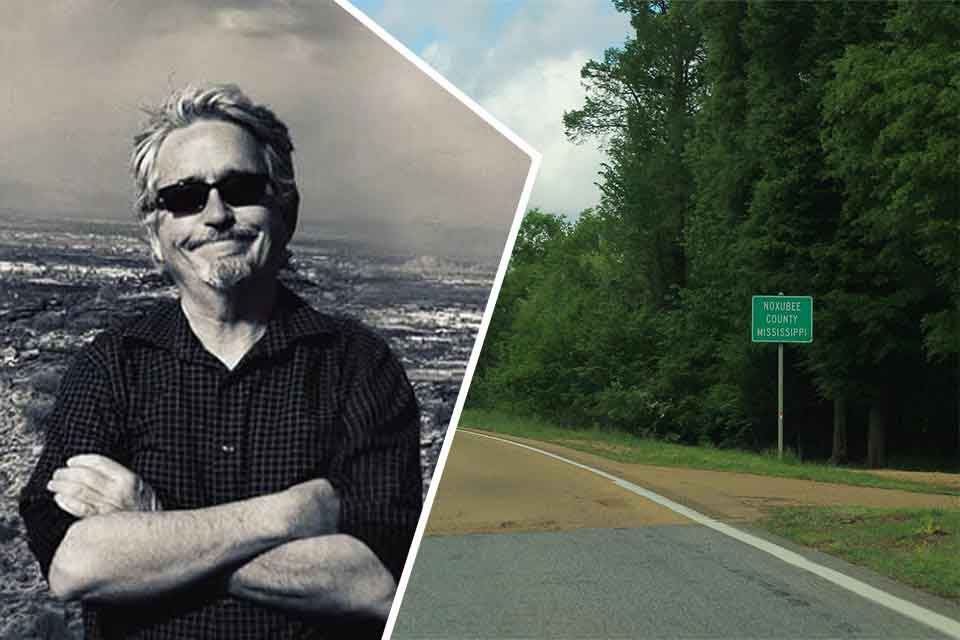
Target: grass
(624, 447)
(908, 462)
(919, 547)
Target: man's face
(221, 245)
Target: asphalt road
(524, 546)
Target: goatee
(227, 272)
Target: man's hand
(92, 484)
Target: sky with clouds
(382, 151)
(521, 61)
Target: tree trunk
(839, 455)
(877, 433)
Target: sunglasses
(236, 190)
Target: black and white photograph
(245, 252)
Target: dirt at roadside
(929, 477)
(739, 497)
(939, 479)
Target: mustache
(238, 233)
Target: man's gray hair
(224, 102)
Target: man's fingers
(120, 487)
(84, 476)
(103, 464)
(72, 506)
(119, 483)
(84, 493)
(81, 508)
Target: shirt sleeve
(377, 472)
(83, 420)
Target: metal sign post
(780, 401)
(781, 319)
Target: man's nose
(217, 213)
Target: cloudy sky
(520, 60)
(382, 151)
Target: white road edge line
(923, 615)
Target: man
(236, 464)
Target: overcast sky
(381, 150)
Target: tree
(640, 104)
(892, 133)
(538, 232)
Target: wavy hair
(224, 102)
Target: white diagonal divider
(535, 160)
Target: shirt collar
(293, 319)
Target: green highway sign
(782, 319)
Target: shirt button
(227, 448)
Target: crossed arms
(325, 546)
(282, 548)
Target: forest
(753, 148)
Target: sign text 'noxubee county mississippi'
(782, 319)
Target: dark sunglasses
(190, 196)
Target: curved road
(522, 545)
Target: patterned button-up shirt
(316, 397)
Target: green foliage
(892, 116)
(640, 104)
(752, 148)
